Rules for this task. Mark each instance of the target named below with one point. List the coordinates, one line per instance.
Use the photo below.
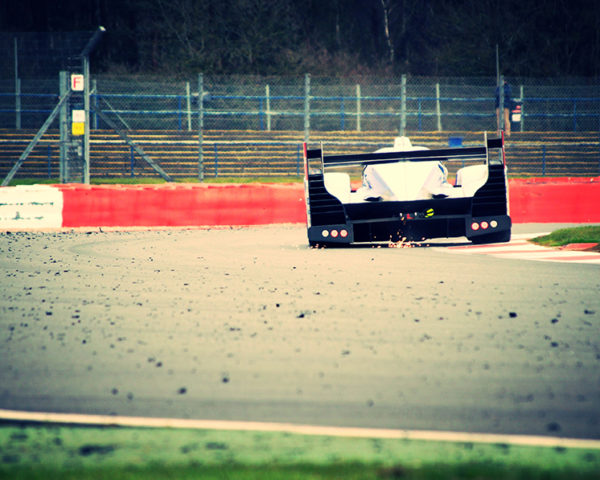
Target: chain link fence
(417, 104)
(252, 126)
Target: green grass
(46, 451)
(349, 471)
(33, 181)
(565, 236)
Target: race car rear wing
(461, 154)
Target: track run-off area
(251, 325)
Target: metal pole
(501, 125)
(543, 160)
(522, 97)
(200, 126)
(438, 109)
(17, 89)
(403, 106)
(18, 103)
(95, 93)
(85, 55)
(306, 107)
(64, 127)
(86, 126)
(189, 106)
(497, 65)
(358, 108)
(268, 102)
(16, 59)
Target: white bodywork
(405, 181)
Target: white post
(403, 107)
(306, 107)
(268, 106)
(358, 108)
(438, 110)
(189, 106)
(522, 97)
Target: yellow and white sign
(78, 127)
(78, 116)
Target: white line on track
(316, 430)
(520, 248)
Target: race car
(403, 194)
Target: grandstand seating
(241, 153)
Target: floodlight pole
(500, 87)
(497, 66)
(85, 54)
(17, 87)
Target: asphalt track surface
(250, 324)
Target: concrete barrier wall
(555, 200)
(569, 200)
(182, 205)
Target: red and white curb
(520, 248)
(315, 430)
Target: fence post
(216, 161)
(18, 103)
(200, 126)
(178, 112)
(543, 160)
(403, 106)
(49, 161)
(131, 162)
(95, 95)
(358, 107)
(438, 109)
(261, 114)
(17, 88)
(268, 106)
(189, 106)
(306, 107)
(522, 96)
